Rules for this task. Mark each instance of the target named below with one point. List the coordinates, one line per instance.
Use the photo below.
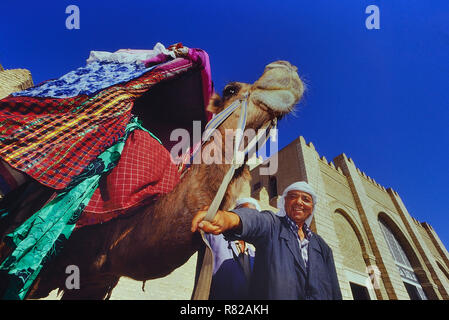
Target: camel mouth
(279, 88)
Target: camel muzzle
(279, 88)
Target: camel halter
(238, 156)
(202, 288)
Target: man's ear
(215, 104)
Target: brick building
(380, 251)
(14, 80)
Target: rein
(202, 288)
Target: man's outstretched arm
(242, 224)
(223, 221)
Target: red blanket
(52, 140)
(145, 171)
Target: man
(233, 262)
(292, 262)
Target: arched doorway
(351, 248)
(402, 261)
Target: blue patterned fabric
(86, 80)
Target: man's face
(298, 206)
(247, 205)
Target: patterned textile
(86, 80)
(144, 172)
(43, 235)
(53, 140)
(72, 144)
(130, 55)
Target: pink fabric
(202, 58)
(199, 57)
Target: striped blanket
(94, 152)
(53, 139)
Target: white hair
(253, 201)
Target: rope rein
(201, 291)
(238, 156)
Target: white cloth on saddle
(129, 55)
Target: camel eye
(230, 90)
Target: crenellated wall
(14, 80)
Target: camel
(152, 242)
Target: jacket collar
(292, 244)
(233, 247)
(315, 253)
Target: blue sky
(380, 96)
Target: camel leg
(96, 287)
(10, 178)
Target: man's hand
(223, 221)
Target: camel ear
(215, 104)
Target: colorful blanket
(43, 235)
(73, 144)
(145, 171)
(54, 139)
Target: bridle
(202, 288)
(238, 158)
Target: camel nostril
(279, 78)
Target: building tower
(14, 80)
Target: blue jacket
(228, 280)
(279, 270)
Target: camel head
(272, 96)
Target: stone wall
(14, 80)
